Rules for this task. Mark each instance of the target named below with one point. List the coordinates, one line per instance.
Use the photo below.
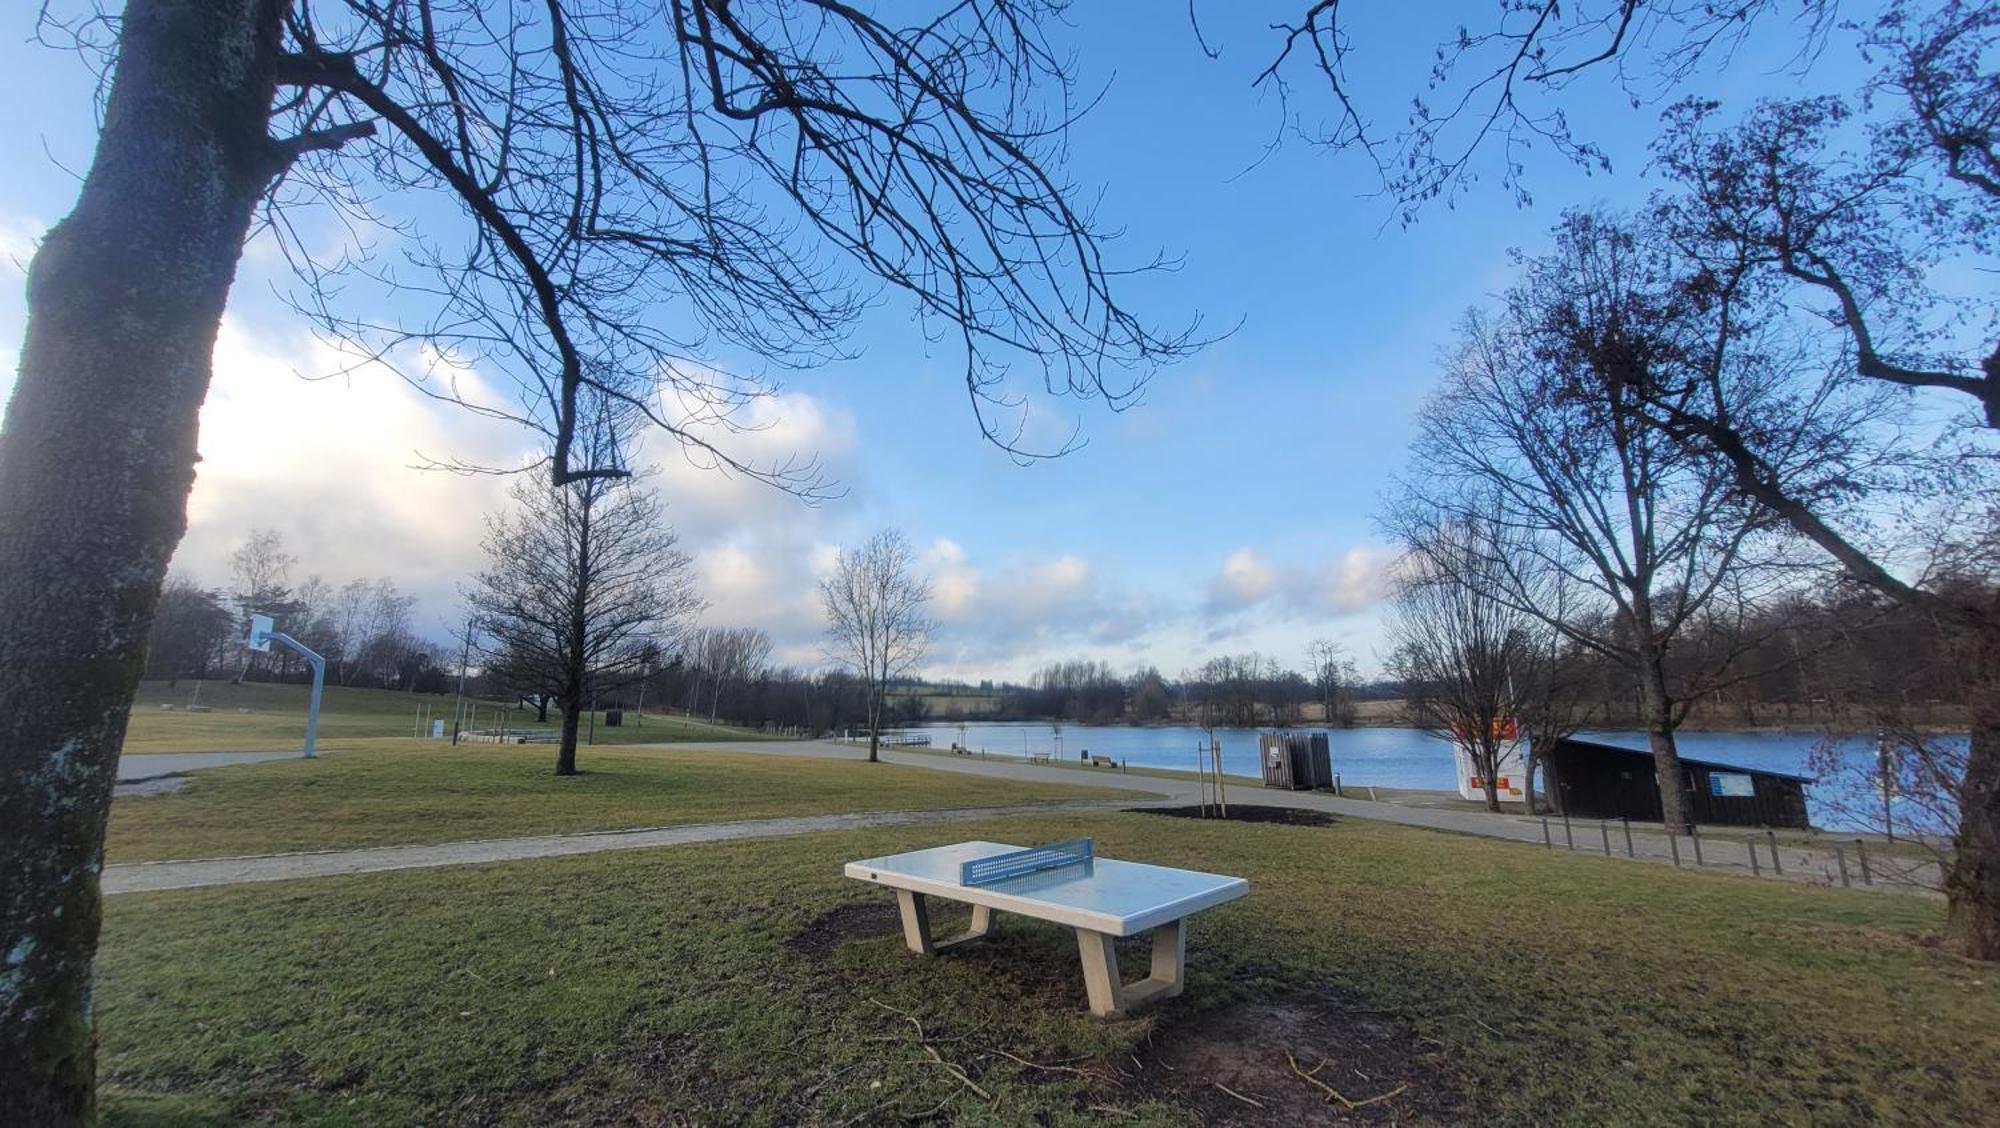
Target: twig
(1395, 1092)
(1053, 1068)
(1237, 1095)
(1311, 1078)
(1126, 1113)
(958, 1073)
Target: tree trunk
(542, 709)
(576, 657)
(1658, 716)
(874, 727)
(97, 455)
(1489, 754)
(1972, 883)
(572, 721)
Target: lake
(1383, 757)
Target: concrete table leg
(916, 915)
(916, 922)
(1110, 997)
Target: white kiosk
(1511, 778)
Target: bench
(1103, 762)
(1064, 884)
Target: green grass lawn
(372, 793)
(276, 718)
(1462, 980)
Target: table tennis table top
(1103, 894)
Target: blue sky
(1230, 510)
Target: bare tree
(1462, 650)
(1333, 677)
(192, 627)
(637, 188)
(1495, 87)
(1540, 426)
(579, 578)
(261, 569)
(723, 659)
(1784, 211)
(876, 621)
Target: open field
(750, 982)
(381, 792)
(277, 718)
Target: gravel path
(131, 768)
(147, 877)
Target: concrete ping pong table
(1064, 883)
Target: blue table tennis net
(1019, 863)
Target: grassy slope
(749, 982)
(372, 793)
(277, 718)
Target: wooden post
(1694, 835)
(1755, 869)
(1546, 840)
(1840, 858)
(1221, 795)
(1605, 829)
(1777, 865)
(1628, 836)
(1861, 851)
(1569, 839)
(1674, 845)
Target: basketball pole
(261, 638)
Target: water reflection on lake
(1383, 757)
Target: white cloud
(1361, 578)
(329, 464)
(954, 583)
(1244, 580)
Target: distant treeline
(363, 628)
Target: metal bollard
(1777, 866)
(1605, 828)
(1694, 835)
(1546, 840)
(1674, 847)
(1628, 836)
(1755, 869)
(1840, 859)
(1861, 850)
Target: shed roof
(1600, 746)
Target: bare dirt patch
(1246, 812)
(857, 920)
(1242, 1065)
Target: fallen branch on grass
(1239, 1096)
(1333, 1094)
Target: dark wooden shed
(1589, 780)
(1296, 761)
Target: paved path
(1722, 848)
(139, 767)
(147, 877)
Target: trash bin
(613, 718)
